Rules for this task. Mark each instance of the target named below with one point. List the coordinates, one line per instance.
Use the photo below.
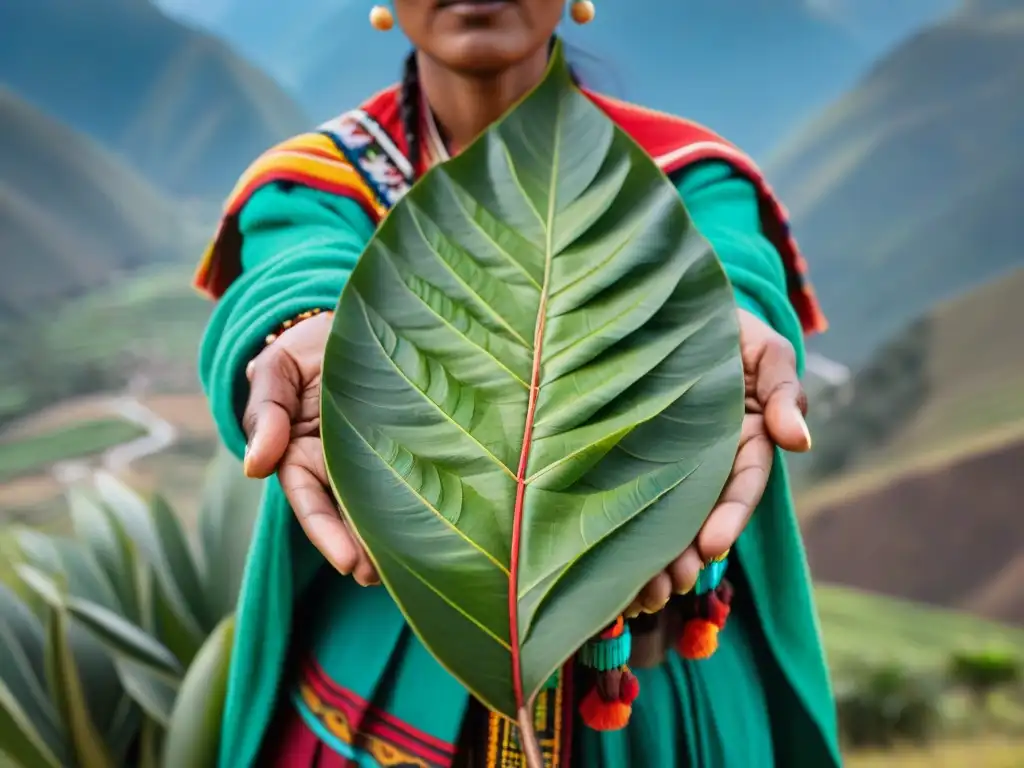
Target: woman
(362, 690)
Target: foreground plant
(533, 394)
(116, 651)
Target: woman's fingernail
(650, 609)
(245, 460)
(249, 369)
(804, 427)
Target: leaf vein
(414, 214)
(404, 481)
(424, 395)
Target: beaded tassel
(704, 612)
(612, 688)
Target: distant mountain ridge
(908, 190)
(72, 215)
(178, 103)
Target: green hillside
(71, 214)
(148, 323)
(860, 627)
(908, 190)
(179, 104)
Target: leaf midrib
(538, 346)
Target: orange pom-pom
(601, 715)
(699, 639)
(629, 688)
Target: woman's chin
(482, 51)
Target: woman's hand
(776, 406)
(282, 423)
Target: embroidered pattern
(550, 717)
(369, 149)
(358, 730)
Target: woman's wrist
(292, 322)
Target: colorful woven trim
(368, 148)
(359, 731)
(552, 723)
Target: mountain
(72, 215)
(178, 103)
(946, 384)
(750, 69)
(908, 190)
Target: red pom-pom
(698, 640)
(615, 630)
(629, 688)
(717, 610)
(601, 715)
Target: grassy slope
(148, 322)
(990, 752)
(180, 104)
(155, 316)
(71, 213)
(862, 627)
(911, 183)
(975, 369)
(26, 455)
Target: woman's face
(480, 37)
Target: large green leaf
(533, 393)
(193, 736)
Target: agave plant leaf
(67, 690)
(123, 730)
(176, 631)
(75, 566)
(97, 528)
(125, 640)
(38, 549)
(532, 394)
(193, 736)
(153, 692)
(149, 745)
(157, 534)
(98, 680)
(22, 673)
(19, 738)
(226, 519)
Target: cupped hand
(775, 410)
(282, 423)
